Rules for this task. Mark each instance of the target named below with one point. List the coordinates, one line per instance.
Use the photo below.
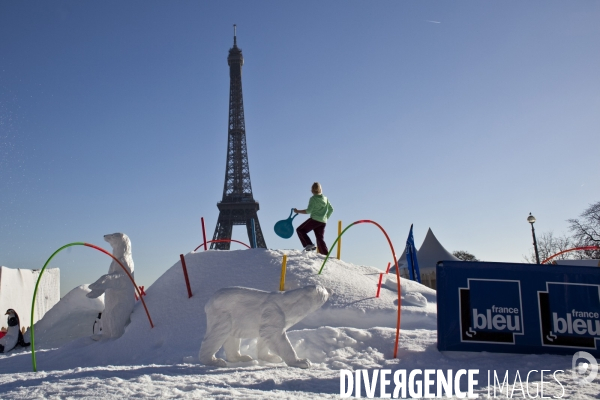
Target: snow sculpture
(119, 293)
(415, 299)
(97, 327)
(236, 312)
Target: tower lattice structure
(238, 206)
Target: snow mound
(162, 362)
(180, 322)
(71, 318)
(415, 299)
(414, 294)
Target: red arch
(573, 249)
(222, 240)
(32, 325)
(130, 278)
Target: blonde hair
(316, 188)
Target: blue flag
(411, 258)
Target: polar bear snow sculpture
(119, 293)
(236, 312)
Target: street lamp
(531, 220)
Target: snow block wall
(16, 292)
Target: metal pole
(203, 233)
(537, 255)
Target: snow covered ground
(352, 331)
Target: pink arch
(222, 240)
(32, 325)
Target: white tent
(430, 252)
(16, 292)
(428, 255)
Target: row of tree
(584, 231)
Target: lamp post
(531, 220)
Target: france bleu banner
(518, 308)
(411, 258)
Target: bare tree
(586, 231)
(549, 245)
(464, 255)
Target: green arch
(35, 294)
(40, 277)
(397, 272)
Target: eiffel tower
(238, 206)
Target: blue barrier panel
(518, 308)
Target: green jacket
(319, 208)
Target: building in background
(238, 206)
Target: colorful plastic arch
(397, 271)
(573, 249)
(40, 277)
(222, 240)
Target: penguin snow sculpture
(97, 327)
(13, 337)
(119, 293)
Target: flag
(411, 258)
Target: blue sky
(462, 116)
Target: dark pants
(319, 228)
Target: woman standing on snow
(320, 209)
